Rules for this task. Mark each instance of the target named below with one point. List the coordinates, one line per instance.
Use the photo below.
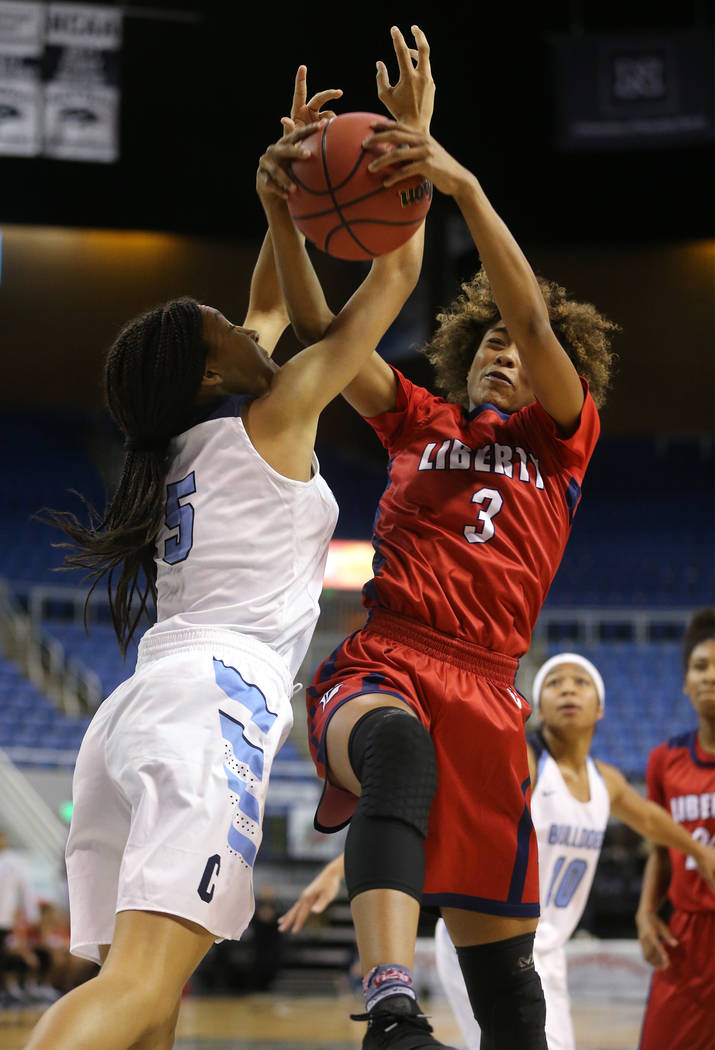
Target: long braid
(152, 374)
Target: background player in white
(221, 507)
(572, 797)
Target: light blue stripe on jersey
(246, 801)
(249, 754)
(245, 751)
(242, 845)
(235, 686)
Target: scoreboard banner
(59, 80)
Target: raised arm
(267, 311)
(552, 376)
(410, 99)
(283, 423)
(655, 823)
(306, 305)
(322, 371)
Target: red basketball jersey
(681, 778)
(478, 507)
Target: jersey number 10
(568, 884)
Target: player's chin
(504, 398)
(705, 705)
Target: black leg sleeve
(505, 993)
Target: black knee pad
(506, 994)
(393, 758)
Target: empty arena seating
(32, 730)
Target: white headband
(566, 658)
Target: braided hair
(152, 374)
(700, 629)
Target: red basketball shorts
(681, 1005)
(481, 851)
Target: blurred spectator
(51, 941)
(36, 967)
(18, 911)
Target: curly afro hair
(584, 333)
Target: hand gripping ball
(344, 209)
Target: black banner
(628, 92)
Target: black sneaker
(398, 1023)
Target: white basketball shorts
(170, 786)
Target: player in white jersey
(572, 798)
(221, 511)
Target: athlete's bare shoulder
(613, 778)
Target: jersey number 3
(491, 503)
(179, 516)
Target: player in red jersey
(414, 721)
(680, 1013)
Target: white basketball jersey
(570, 835)
(242, 547)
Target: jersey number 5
(179, 516)
(491, 503)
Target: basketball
(344, 209)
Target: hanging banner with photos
(81, 67)
(22, 36)
(59, 80)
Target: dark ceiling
(204, 85)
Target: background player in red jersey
(680, 1013)
(413, 721)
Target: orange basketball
(344, 209)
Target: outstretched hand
(411, 100)
(304, 111)
(313, 900)
(419, 154)
(273, 176)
